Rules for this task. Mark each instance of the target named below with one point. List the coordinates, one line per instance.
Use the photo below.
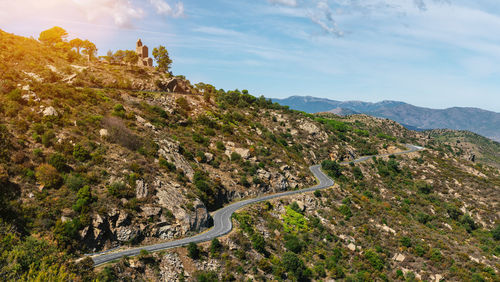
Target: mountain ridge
(480, 121)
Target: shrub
(258, 243)
(84, 199)
(317, 194)
(48, 176)
(220, 146)
(423, 217)
(293, 264)
(468, 222)
(293, 243)
(358, 174)
(496, 233)
(405, 241)
(374, 259)
(333, 168)
(235, 157)
(80, 153)
(119, 110)
(436, 255)
(424, 187)
(215, 246)
(193, 251)
(58, 161)
(47, 138)
(453, 212)
(206, 276)
(120, 190)
(74, 182)
(166, 164)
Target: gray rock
(141, 189)
(50, 111)
(125, 234)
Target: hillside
(96, 155)
(482, 122)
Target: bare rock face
(141, 189)
(199, 219)
(170, 151)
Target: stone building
(142, 51)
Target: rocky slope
(95, 155)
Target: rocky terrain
(96, 155)
(486, 123)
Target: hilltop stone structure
(142, 51)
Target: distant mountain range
(486, 123)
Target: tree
(131, 57)
(162, 59)
(53, 35)
(76, 43)
(89, 48)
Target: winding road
(222, 218)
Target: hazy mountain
(486, 123)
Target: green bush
(215, 246)
(47, 138)
(258, 243)
(496, 233)
(405, 241)
(48, 176)
(468, 222)
(166, 164)
(293, 243)
(84, 199)
(374, 259)
(120, 190)
(193, 251)
(80, 153)
(58, 161)
(74, 182)
(332, 168)
(235, 157)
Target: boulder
(103, 132)
(50, 111)
(209, 157)
(399, 257)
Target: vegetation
(121, 165)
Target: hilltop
(480, 121)
(96, 155)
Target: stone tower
(142, 51)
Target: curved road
(222, 218)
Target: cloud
(291, 3)
(323, 16)
(123, 12)
(420, 4)
(163, 8)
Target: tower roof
(139, 42)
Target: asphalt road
(222, 217)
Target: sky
(430, 53)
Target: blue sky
(432, 53)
